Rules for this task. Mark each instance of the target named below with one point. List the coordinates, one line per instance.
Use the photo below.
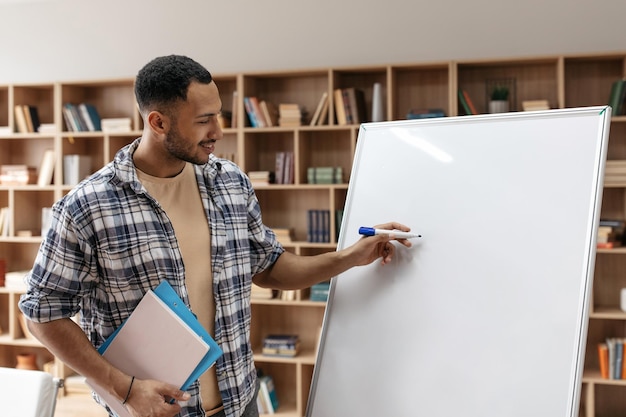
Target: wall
(57, 40)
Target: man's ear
(158, 122)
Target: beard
(182, 149)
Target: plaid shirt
(110, 242)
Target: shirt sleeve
(62, 272)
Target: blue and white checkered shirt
(110, 242)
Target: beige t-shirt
(180, 198)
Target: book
(288, 171)
(89, 114)
(161, 340)
(260, 293)
(252, 116)
(324, 175)
(46, 169)
(75, 168)
(270, 113)
(258, 114)
(340, 111)
(29, 119)
(289, 115)
(19, 174)
(464, 105)
(346, 106)
(356, 105)
(469, 102)
(267, 391)
(318, 110)
(235, 111)
(535, 105)
(20, 119)
(425, 113)
(280, 167)
(616, 96)
(284, 234)
(116, 124)
(603, 360)
(322, 119)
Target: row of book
(350, 106)
(281, 345)
(617, 96)
(318, 226)
(261, 113)
(83, 117)
(611, 358)
(267, 399)
(26, 118)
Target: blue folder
(167, 294)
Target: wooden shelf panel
(563, 80)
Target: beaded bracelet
(129, 388)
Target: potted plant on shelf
(499, 102)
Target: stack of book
(16, 279)
(260, 293)
(350, 106)
(611, 358)
(318, 226)
(319, 292)
(17, 175)
(267, 400)
(324, 175)
(116, 125)
(283, 234)
(281, 345)
(260, 178)
(81, 117)
(615, 172)
(289, 115)
(610, 233)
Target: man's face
(195, 128)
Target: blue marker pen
(370, 231)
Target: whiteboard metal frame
(367, 164)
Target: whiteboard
(487, 314)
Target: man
(167, 208)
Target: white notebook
(153, 343)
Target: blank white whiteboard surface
(487, 314)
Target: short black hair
(165, 80)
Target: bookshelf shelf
(562, 80)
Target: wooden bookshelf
(562, 80)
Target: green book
(466, 107)
(616, 98)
